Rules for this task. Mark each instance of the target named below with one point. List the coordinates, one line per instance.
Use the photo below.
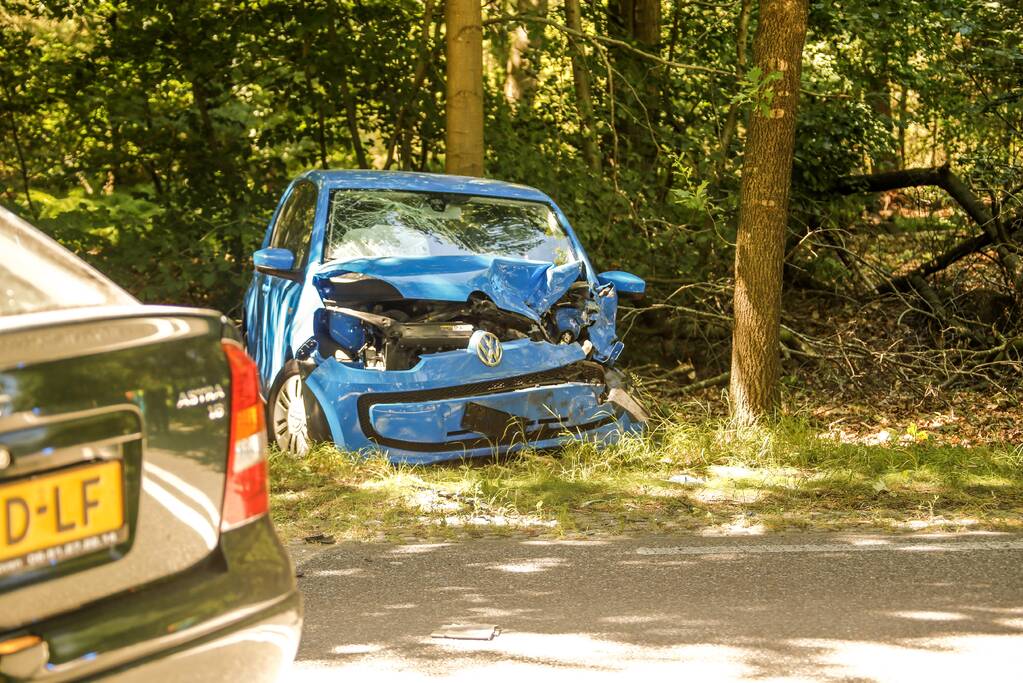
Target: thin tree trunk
(22, 165)
(524, 40)
(351, 114)
(464, 108)
(351, 119)
(879, 98)
(583, 96)
(763, 214)
(638, 84)
(903, 124)
(321, 132)
(673, 33)
(732, 119)
(418, 76)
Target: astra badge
(201, 396)
(488, 347)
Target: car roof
(423, 182)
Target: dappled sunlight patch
(531, 566)
(344, 572)
(559, 653)
(418, 548)
(949, 658)
(935, 523)
(921, 615)
(356, 649)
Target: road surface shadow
(606, 608)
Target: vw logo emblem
(488, 347)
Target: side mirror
(628, 286)
(273, 259)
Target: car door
(277, 292)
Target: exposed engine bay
(367, 323)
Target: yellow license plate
(51, 517)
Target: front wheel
(294, 418)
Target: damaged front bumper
(449, 405)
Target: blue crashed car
(433, 317)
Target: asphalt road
(832, 607)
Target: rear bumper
(259, 648)
(237, 615)
(549, 394)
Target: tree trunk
(763, 213)
(524, 41)
(344, 91)
(418, 76)
(583, 96)
(879, 98)
(639, 85)
(464, 109)
(903, 124)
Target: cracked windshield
(379, 224)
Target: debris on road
(467, 632)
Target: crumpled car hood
(526, 287)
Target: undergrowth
(691, 471)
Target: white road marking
(867, 546)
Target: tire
(294, 418)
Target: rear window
(37, 274)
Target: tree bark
(583, 96)
(464, 107)
(763, 214)
(903, 123)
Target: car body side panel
(279, 311)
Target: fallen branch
(943, 177)
(936, 264)
(706, 383)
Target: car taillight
(246, 494)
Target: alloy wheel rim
(290, 423)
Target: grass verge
(685, 475)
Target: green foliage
(155, 138)
(754, 89)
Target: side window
(295, 222)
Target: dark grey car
(134, 536)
